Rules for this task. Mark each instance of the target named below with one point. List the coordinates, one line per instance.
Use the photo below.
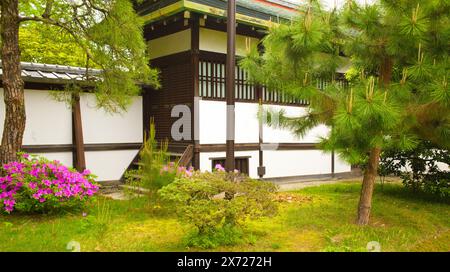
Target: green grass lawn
(316, 219)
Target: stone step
(134, 189)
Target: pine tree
(109, 33)
(398, 82)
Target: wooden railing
(186, 158)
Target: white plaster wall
(170, 44)
(282, 163)
(285, 163)
(212, 122)
(103, 127)
(216, 41)
(109, 165)
(206, 162)
(279, 163)
(340, 166)
(48, 121)
(278, 135)
(212, 125)
(65, 158)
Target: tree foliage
(48, 44)
(107, 33)
(398, 90)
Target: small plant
(35, 184)
(100, 222)
(155, 168)
(218, 204)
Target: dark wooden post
(79, 161)
(261, 168)
(230, 83)
(259, 95)
(332, 163)
(195, 52)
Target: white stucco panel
(280, 135)
(100, 126)
(296, 163)
(48, 121)
(170, 44)
(216, 41)
(109, 165)
(64, 158)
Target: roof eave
(186, 5)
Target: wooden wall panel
(176, 81)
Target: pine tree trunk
(14, 124)
(365, 200)
(371, 171)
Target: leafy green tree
(48, 44)
(108, 32)
(398, 88)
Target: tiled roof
(266, 7)
(50, 73)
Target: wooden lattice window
(212, 85)
(212, 82)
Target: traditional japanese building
(188, 43)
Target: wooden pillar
(259, 95)
(230, 83)
(79, 161)
(332, 163)
(195, 52)
(261, 169)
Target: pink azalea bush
(179, 171)
(35, 184)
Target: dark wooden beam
(230, 83)
(195, 56)
(79, 160)
(241, 29)
(159, 29)
(58, 148)
(256, 146)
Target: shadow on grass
(400, 192)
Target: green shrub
(218, 204)
(419, 168)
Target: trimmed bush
(35, 184)
(218, 204)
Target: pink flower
(45, 180)
(219, 167)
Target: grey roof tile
(50, 73)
